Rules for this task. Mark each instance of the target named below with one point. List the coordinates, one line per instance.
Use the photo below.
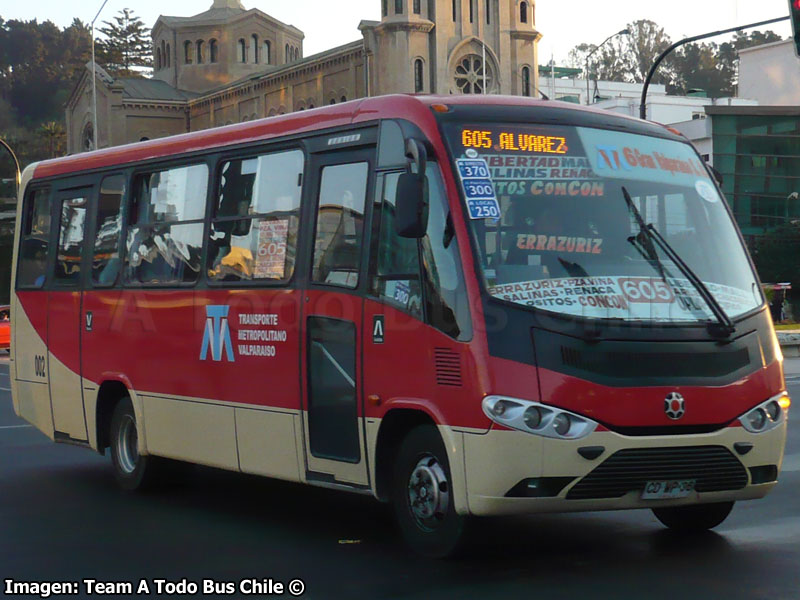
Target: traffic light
(794, 14)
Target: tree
(696, 66)
(641, 48)
(708, 66)
(606, 64)
(39, 65)
(127, 44)
(627, 57)
(55, 135)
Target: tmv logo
(217, 334)
(609, 156)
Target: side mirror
(717, 175)
(417, 155)
(411, 212)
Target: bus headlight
(561, 424)
(537, 418)
(532, 417)
(767, 415)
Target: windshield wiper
(649, 234)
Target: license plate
(666, 490)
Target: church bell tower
(453, 47)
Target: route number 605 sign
(646, 290)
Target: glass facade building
(757, 150)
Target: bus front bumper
(512, 472)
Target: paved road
(62, 518)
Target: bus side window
(70, 241)
(105, 260)
(164, 240)
(340, 224)
(446, 304)
(34, 241)
(257, 214)
(396, 267)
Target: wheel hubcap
(127, 445)
(428, 492)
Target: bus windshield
(548, 212)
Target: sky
(329, 23)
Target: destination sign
(483, 139)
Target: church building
(230, 64)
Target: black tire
(432, 528)
(694, 518)
(132, 470)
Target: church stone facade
(229, 64)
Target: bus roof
(412, 107)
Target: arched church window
(471, 11)
(87, 139)
(199, 51)
(168, 57)
(267, 52)
(255, 48)
(419, 72)
(288, 54)
(455, 3)
(471, 77)
(526, 81)
(187, 52)
(523, 12)
(344, 99)
(488, 12)
(213, 51)
(242, 51)
(158, 59)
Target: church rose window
(469, 75)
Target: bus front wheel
(694, 518)
(422, 496)
(132, 470)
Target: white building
(771, 74)
(564, 86)
(671, 109)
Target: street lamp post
(588, 56)
(94, 82)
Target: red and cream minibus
(461, 305)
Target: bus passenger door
(64, 319)
(333, 407)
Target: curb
(790, 344)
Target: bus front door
(332, 320)
(64, 323)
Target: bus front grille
(714, 468)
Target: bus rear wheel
(133, 471)
(694, 518)
(422, 496)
